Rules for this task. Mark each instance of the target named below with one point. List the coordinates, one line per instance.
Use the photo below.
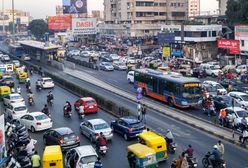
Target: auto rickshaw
(156, 142)
(52, 157)
(4, 91)
(22, 77)
(141, 156)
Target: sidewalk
(196, 122)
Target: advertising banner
(166, 52)
(74, 6)
(59, 22)
(83, 26)
(229, 44)
(166, 38)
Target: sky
(42, 8)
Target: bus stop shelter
(40, 51)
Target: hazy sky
(43, 8)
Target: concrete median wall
(58, 65)
(69, 64)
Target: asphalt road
(184, 134)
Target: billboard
(229, 44)
(74, 6)
(166, 38)
(166, 52)
(59, 22)
(83, 26)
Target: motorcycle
(30, 101)
(103, 150)
(67, 113)
(192, 162)
(171, 147)
(50, 100)
(38, 88)
(206, 162)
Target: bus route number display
(191, 84)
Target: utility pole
(3, 15)
(13, 16)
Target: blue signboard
(166, 38)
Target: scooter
(103, 150)
(30, 101)
(171, 147)
(67, 113)
(206, 162)
(192, 162)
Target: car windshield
(242, 113)
(107, 64)
(244, 97)
(41, 117)
(70, 137)
(191, 92)
(88, 159)
(16, 97)
(101, 126)
(213, 68)
(218, 86)
(90, 102)
(21, 108)
(227, 100)
(48, 80)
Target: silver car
(90, 128)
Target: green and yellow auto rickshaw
(141, 156)
(4, 91)
(22, 77)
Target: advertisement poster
(59, 22)
(74, 6)
(83, 26)
(229, 44)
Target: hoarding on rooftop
(74, 6)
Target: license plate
(91, 107)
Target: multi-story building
(241, 34)
(143, 17)
(222, 7)
(200, 41)
(194, 8)
(59, 10)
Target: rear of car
(135, 128)
(90, 105)
(47, 83)
(7, 81)
(69, 140)
(102, 126)
(43, 122)
(16, 98)
(18, 111)
(130, 76)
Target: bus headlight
(184, 103)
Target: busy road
(184, 134)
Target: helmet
(215, 146)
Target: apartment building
(144, 17)
(222, 7)
(194, 8)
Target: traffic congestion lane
(117, 147)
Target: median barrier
(58, 65)
(69, 64)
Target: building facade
(200, 41)
(142, 18)
(194, 8)
(59, 10)
(241, 34)
(222, 7)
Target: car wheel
(32, 129)
(44, 140)
(125, 136)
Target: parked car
(62, 136)
(214, 88)
(90, 104)
(106, 66)
(7, 81)
(36, 121)
(129, 127)
(115, 57)
(26, 58)
(13, 98)
(5, 58)
(235, 114)
(240, 98)
(16, 110)
(119, 66)
(81, 157)
(222, 101)
(210, 69)
(47, 82)
(91, 128)
(130, 76)
(16, 63)
(216, 64)
(106, 58)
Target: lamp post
(13, 16)
(3, 15)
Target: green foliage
(237, 12)
(38, 28)
(193, 22)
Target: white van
(130, 76)
(210, 69)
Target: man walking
(143, 111)
(36, 160)
(221, 148)
(139, 109)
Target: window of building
(147, 31)
(177, 33)
(178, 14)
(242, 43)
(204, 34)
(128, 5)
(187, 34)
(155, 4)
(162, 4)
(155, 13)
(140, 3)
(178, 4)
(162, 13)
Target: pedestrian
(184, 163)
(139, 110)
(18, 89)
(221, 148)
(222, 117)
(81, 110)
(36, 163)
(244, 136)
(143, 111)
(98, 163)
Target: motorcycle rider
(45, 110)
(190, 151)
(243, 124)
(50, 97)
(30, 96)
(36, 163)
(18, 89)
(67, 107)
(102, 140)
(215, 155)
(169, 136)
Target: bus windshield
(191, 92)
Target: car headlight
(184, 103)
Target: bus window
(155, 85)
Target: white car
(16, 63)
(235, 115)
(214, 87)
(210, 69)
(215, 64)
(115, 57)
(86, 155)
(26, 58)
(36, 121)
(90, 128)
(130, 76)
(240, 98)
(47, 82)
(5, 58)
(13, 98)
(16, 110)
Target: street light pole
(3, 15)
(13, 16)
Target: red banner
(59, 22)
(229, 44)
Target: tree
(237, 12)
(38, 28)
